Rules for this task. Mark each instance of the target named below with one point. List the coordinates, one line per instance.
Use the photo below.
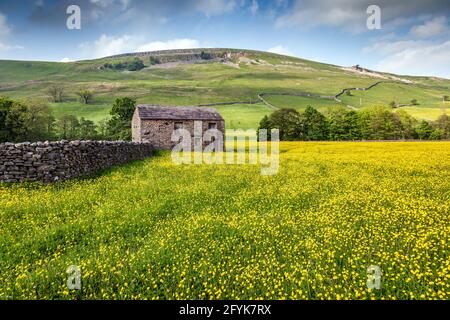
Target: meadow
(156, 230)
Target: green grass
(383, 94)
(91, 112)
(193, 84)
(156, 230)
(300, 103)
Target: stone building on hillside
(155, 124)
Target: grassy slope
(212, 82)
(153, 229)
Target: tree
(424, 130)
(445, 98)
(392, 104)
(336, 123)
(102, 128)
(5, 106)
(265, 124)
(352, 129)
(153, 60)
(379, 123)
(123, 108)
(205, 55)
(68, 127)
(407, 125)
(88, 129)
(119, 126)
(31, 121)
(56, 93)
(414, 102)
(436, 134)
(85, 96)
(135, 65)
(288, 122)
(443, 124)
(316, 125)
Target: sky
(413, 37)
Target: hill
(257, 82)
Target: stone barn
(155, 124)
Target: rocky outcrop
(54, 161)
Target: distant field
(156, 230)
(383, 94)
(300, 103)
(91, 112)
(202, 83)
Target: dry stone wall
(53, 161)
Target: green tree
(288, 122)
(336, 123)
(56, 92)
(424, 130)
(5, 107)
(119, 126)
(153, 60)
(68, 127)
(86, 96)
(436, 134)
(443, 124)
(379, 123)
(407, 125)
(88, 129)
(352, 128)
(265, 124)
(31, 121)
(135, 65)
(316, 125)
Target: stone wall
(53, 161)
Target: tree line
(376, 123)
(32, 120)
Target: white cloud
(431, 28)
(214, 7)
(6, 47)
(351, 15)
(281, 50)
(4, 28)
(65, 60)
(429, 60)
(313, 13)
(386, 48)
(171, 44)
(109, 45)
(254, 7)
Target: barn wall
(159, 132)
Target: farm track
(300, 94)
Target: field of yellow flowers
(155, 230)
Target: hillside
(186, 77)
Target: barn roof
(155, 112)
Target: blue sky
(414, 37)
